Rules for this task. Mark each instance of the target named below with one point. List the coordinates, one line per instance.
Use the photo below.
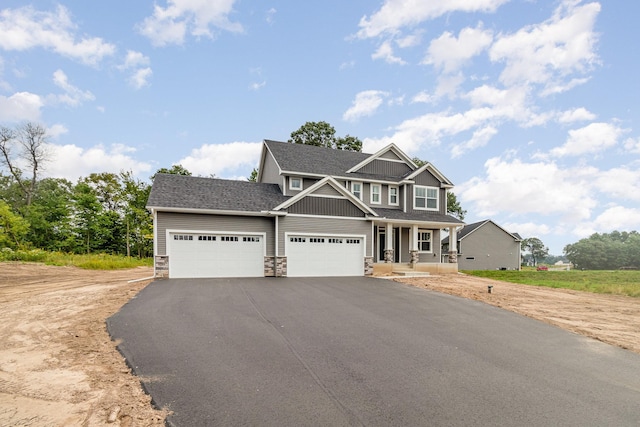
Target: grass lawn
(614, 282)
(87, 261)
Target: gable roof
(310, 160)
(433, 170)
(180, 192)
(391, 147)
(336, 186)
(470, 228)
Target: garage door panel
(309, 255)
(216, 255)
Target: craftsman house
(313, 212)
(485, 245)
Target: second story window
(356, 189)
(425, 198)
(295, 183)
(375, 194)
(393, 196)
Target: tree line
(607, 251)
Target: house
(485, 245)
(313, 212)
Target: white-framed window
(424, 241)
(295, 183)
(393, 196)
(425, 198)
(356, 189)
(376, 190)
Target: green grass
(87, 261)
(614, 282)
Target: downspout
(275, 258)
(155, 241)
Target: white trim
(422, 224)
(426, 198)
(434, 171)
(336, 185)
(371, 194)
(328, 196)
(340, 177)
(361, 189)
(263, 234)
(211, 211)
(397, 203)
(356, 218)
(425, 230)
(291, 187)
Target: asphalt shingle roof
(178, 191)
(322, 161)
(416, 216)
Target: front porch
(411, 247)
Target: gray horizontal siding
(307, 225)
(270, 172)
(325, 206)
(180, 221)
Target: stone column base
(388, 255)
(368, 266)
(162, 266)
(453, 257)
(414, 257)
(281, 266)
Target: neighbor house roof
(189, 192)
(470, 228)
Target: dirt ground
(59, 367)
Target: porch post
(388, 250)
(414, 257)
(453, 245)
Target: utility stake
(489, 288)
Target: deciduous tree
(322, 134)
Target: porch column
(453, 244)
(414, 257)
(388, 250)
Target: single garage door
(216, 255)
(311, 256)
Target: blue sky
(529, 107)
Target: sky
(530, 107)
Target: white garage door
(312, 256)
(215, 255)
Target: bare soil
(59, 367)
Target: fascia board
(208, 211)
(435, 224)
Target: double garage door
(193, 255)
(216, 255)
(309, 255)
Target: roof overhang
(154, 209)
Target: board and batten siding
(323, 226)
(325, 206)
(220, 223)
(385, 168)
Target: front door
(382, 244)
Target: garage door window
(229, 238)
(207, 238)
(335, 240)
(250, 239)
(316, 239)
(353, 241)
(297, 239)
(182, 237)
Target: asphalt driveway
(362, 351)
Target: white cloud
(72, 96)
(21, 106)
(140, 78)
(134, 59)
(576, 115)
(620, 182)
(632, 145)
(410, 40)
(422, 97)
(271, 13)
(222, 160)
(527, 229)
(480, 138)
(385, 52)
(613, 218)
(56, 130)
(71, 162)
(517, 187)
(26, 28)
(450, 53)
(169, 25)
(593, 138)
(365, 104)
(396, 14)
(257, 85)
(547, 53)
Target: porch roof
(387, 215)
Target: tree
(13, 228)
(50, 215)
(254, 175)
(174, 170)
(138, 220)
(30, 140)
(606, 251)
(322, 134)
(536, 248)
